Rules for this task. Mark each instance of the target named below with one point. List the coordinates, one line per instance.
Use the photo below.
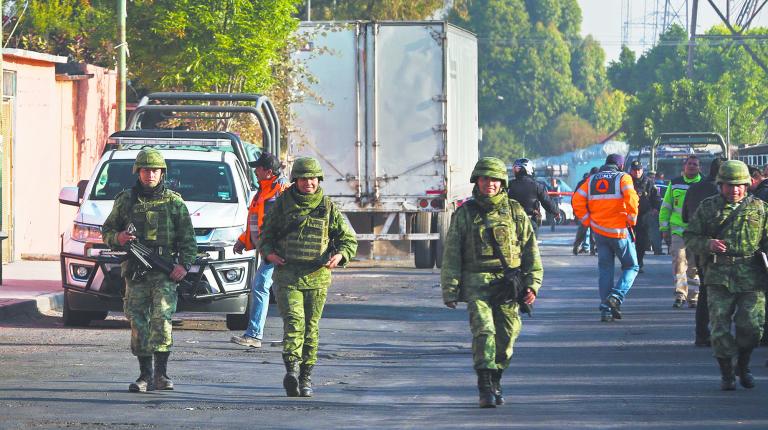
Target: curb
(12, 308)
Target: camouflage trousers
(301, 311)
(494, 331)
(746, 310)
(149, 305)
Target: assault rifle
(510, 289)
(147, 259)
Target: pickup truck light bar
(125, 142)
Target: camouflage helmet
(306, 167)
(734, 172)
(149, 158)
(491, 167)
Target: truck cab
(209, 169)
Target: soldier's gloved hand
(238, 247)
(667, 238)
(334, 261)
(275, 259)
(717, 246)
(451, 305)
(178, 273)
(530, 296)
(124, 237)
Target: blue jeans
(624, 249)
(260, 300)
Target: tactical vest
(479, 255)
(307, 242)
(152, 219)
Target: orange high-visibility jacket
(607, 202)
(261, 203)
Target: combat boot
(305, 380)
(745, 374)
(728, 378)
(162, 381)
(496, 381)
(291, 379)
(143, 383)
(484, 386)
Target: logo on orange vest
(602, 185)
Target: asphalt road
(392, 356)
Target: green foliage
(724, 77)
(209, 45)
(569, 132)
(327, 10)
(501, 142)
(609, 111)
(71, 28)
(589, 74)
(620, 72)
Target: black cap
(267, 161)
(636, 165)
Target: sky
(604, 20)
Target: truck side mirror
(69, 196)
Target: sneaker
(692, 304)
(678, 303)
(640, 270)
(615, 305)
(246, 341)
(702, 342)
(576, 249)
(606, 317)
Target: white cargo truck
(392, 116)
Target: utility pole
(309, 10)
(121, 59)
(692, 39)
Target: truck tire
(240, 321)
(442, 222)
(73, 318)
(423, 252)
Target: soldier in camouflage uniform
(162, 222)
(470, 265)
(304, 236)
(728, 230)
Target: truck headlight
(227, 235)
(86, 233)
(232, 275)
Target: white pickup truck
(209, 169)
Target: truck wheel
(423, 253)
(240, 321)
(443, 221)
(73, 318)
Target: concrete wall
(60, 125)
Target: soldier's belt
(731, 259)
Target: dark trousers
(702, 308)
(642, 239)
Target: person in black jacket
(649, 207)
(530, 194)
(696, 194)
(759, 187)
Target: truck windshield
(198, 181)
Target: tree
(589, 76)
(569, 132)
(209, 45)
(500, 142)
(609, 111)
(326, 10)
(620, 72)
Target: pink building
(56, 118)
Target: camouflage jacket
(160, 222)
(465, 281)
(305, 276)
(745, 234)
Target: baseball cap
(636, 165)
